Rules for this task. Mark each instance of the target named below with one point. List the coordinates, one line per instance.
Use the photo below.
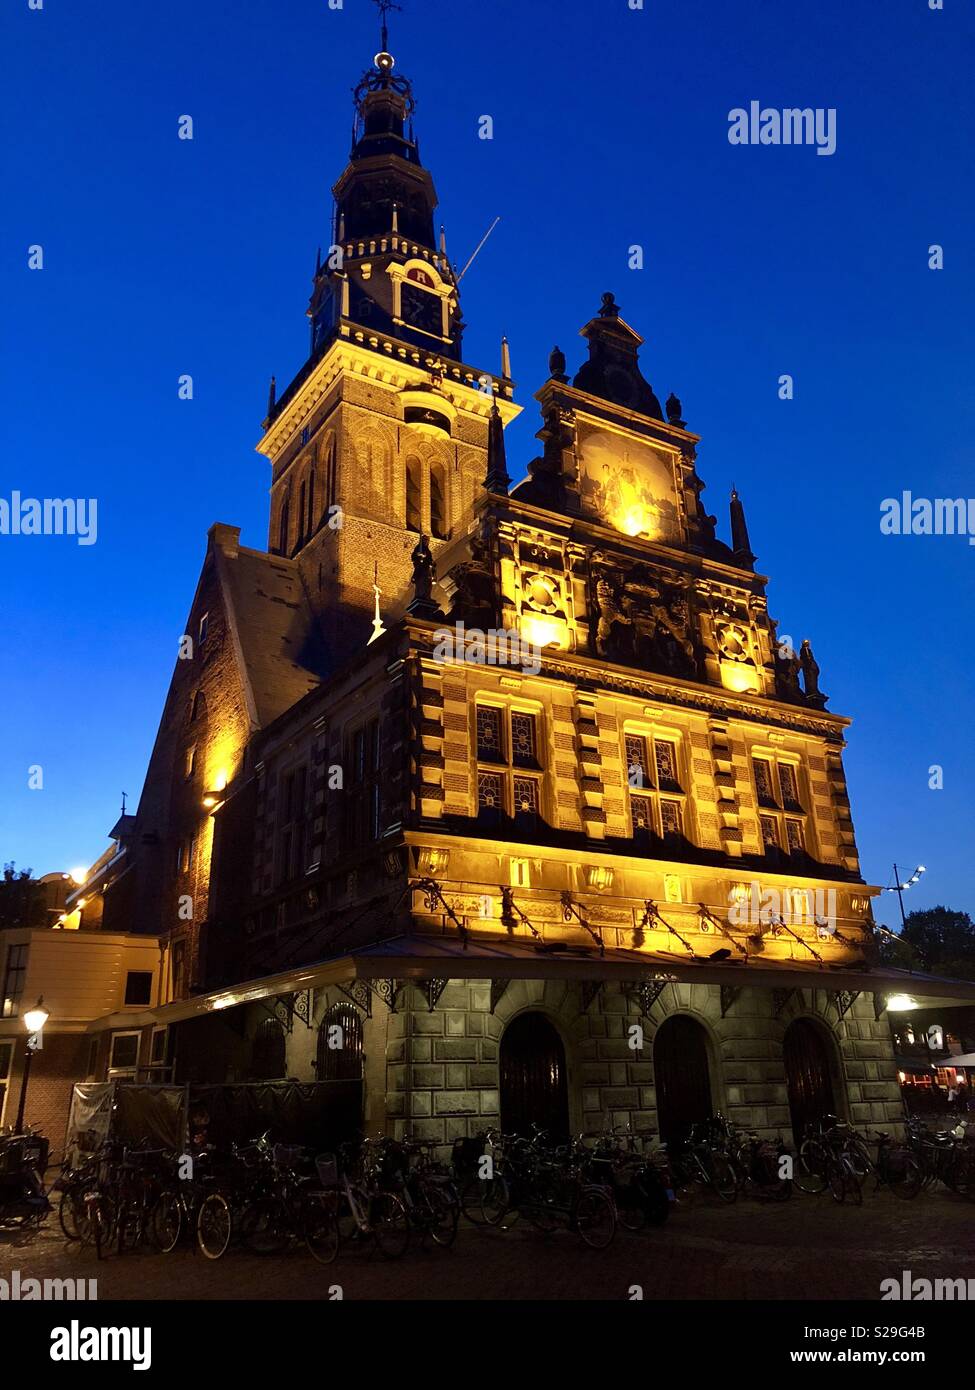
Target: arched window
(331, 485)
(310, 523)
(302, 511)
(414, 495)
(284, 525)
(198, 708)
(269, 1052)
(438, 505)
(340, 1045)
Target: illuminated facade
(544, 815)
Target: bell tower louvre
(614, 795)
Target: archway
(808, 1074)
(534, 1089)
(683, 1076)
(268, 1052)
(340, 1045)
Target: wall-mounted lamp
(600, 877)
(433, 861)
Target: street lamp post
(34, 1021)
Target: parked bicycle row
(383, 1193)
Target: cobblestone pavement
(808, 1248)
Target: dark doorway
(268, 1052)
(808, 1075)
(680, 1061)
(533, 1082)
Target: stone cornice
(387, 361)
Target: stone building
(506, 804)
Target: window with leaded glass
(362, 791)
(764, 783)
(490, 738)
(525, 798)
(292, 823)
(490, 794)
(770, 832)
(641, 809)
(509, 739)
(777, 784)
(665, 754)
(652, 767)
(524, 752)
(790, 787)
(636, 761)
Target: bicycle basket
(328, 1170)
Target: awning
(419, 957)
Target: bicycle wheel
(101, 1223)
(214, 1226)
(721, 1176)
(264, 1226)
(836, 1175)
(320, 1228)
(444, 1215)
(495, 1199)
(470, 1199)
(390, 1225)
(859, 1156)
(902, 1173)
(70, 1213)
(811, 1169)
(595, 1218)
(167, 1221)
(633, 1207)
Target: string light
(902, 887)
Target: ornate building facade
(504, 804)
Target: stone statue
(787, 674)
(810, 675)
(673, 408)
(610, 613)
(556, 364)
(424, 571)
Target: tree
(938, 940)
(22, 900)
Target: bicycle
(353, 1209)
(427, 1191)
(894, 1167)
(697, 1162)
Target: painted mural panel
(628, 485)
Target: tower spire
(497, 479)
(384, 6)
(739, 533)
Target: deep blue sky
(164, 256)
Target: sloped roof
(277, 637)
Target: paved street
(807, 1248)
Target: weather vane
(384, 6)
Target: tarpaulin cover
(155, 1115)
(320, 1114)
(90, 1117)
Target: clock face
(422, 309)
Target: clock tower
(383, 434)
